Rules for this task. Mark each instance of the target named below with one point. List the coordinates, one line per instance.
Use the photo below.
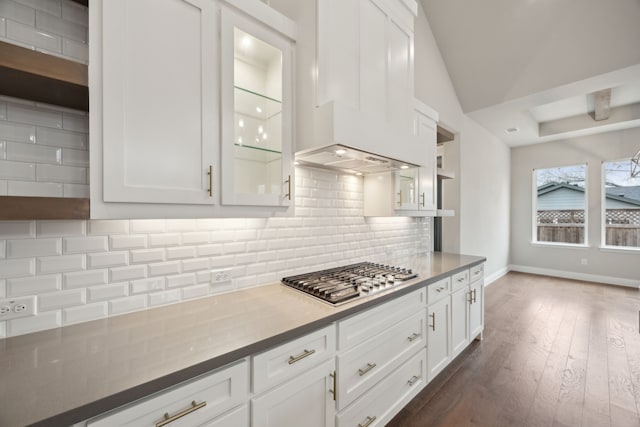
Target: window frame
(534, 209)
(603, 212)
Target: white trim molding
(495, 276)
(619, 281)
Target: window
(621, 205)
(559, 205)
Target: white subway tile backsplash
(147, 225)
(84, 313)
(196, 237)
(17, 268)
(17, 12)
(75, 13)
(181, 252)
(232, 248)
(27, 152)
(221, 261)
(130, 272)
(196, 291)
(17, 229)
(61, 264)
(34, 189)
(76, 50)
(166, 297)
(50, 6)
(3, 32)
(78, 279)
(24, 248)
(195, 264)
(75, 190)
(41, 322)
(17, 132)
(3, 150)
(126, 241)
(64, 174)
(32, 285)
(3, 249)
(164, 268)
(4, 189)
(180, 280)
(222, 235)
(125, 305)
(85, 244)
(107, 259)
(75, 122)
(107, 292)
(71, 157)
(207, 250)
(147, 285)
(34, 116)
(17, 170)
(56, 25)
(61, 228)
(166, 239)
(106, 227)
(53, 137)
(147, 255)
(61, 299)
(172, 225)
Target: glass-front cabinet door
(407, 189)
(257, 87)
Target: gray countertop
(65, 375)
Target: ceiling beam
(602, 104)
(622, 117)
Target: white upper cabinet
(170, 91)
(159, 100)
(257, 125)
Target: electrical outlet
(583, 261)
(219, 276)
(17, 307)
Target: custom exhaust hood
(351, 141)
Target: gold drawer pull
(369, 367)
(210, 173)
(422, 197)
(441, 288)
(306, 353)
(433, 318)
(334, 376)
(368, 422)
(413, 380)
(288, 181)
(460, 280)
(473, 295)
(475, 273)
(171, 418)
(470, 295)
(413, 336)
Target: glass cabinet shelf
(254, 104)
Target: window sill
(620, 249)
(560, 245)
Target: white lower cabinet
(460, 304)
(238, 417)
(306, 400)
(379, 405)
(476, 309)
(194, 402)
(438, 336)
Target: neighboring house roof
(628, 195)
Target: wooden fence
(567, 226)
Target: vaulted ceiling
(533, 66)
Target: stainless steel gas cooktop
(342, 284)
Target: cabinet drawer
(293, 358)
(476, 272)
(387, 398)
(220, 390)
(361, 367)
(238, 417)
(438, 290)
(459, 280)
(358, 328)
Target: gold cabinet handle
(305, 353)
(413, 380)
(473, 295)
(422, 197)
(368, 421)
(171, 418)
(461, 279)
(413, 337)
(470, 297)
(433, 318)
(441, 288)
(288, 181)
(210, 173)
(335, 388)
(475, 273)
(369, 367)
(400, 196)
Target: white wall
(605, 266)
(480, 192)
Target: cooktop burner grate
(342, 284)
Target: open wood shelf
(28, 208)
(36, 76)
(444, 135)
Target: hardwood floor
(555, 352)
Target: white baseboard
(495, 276)
(576, 276)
